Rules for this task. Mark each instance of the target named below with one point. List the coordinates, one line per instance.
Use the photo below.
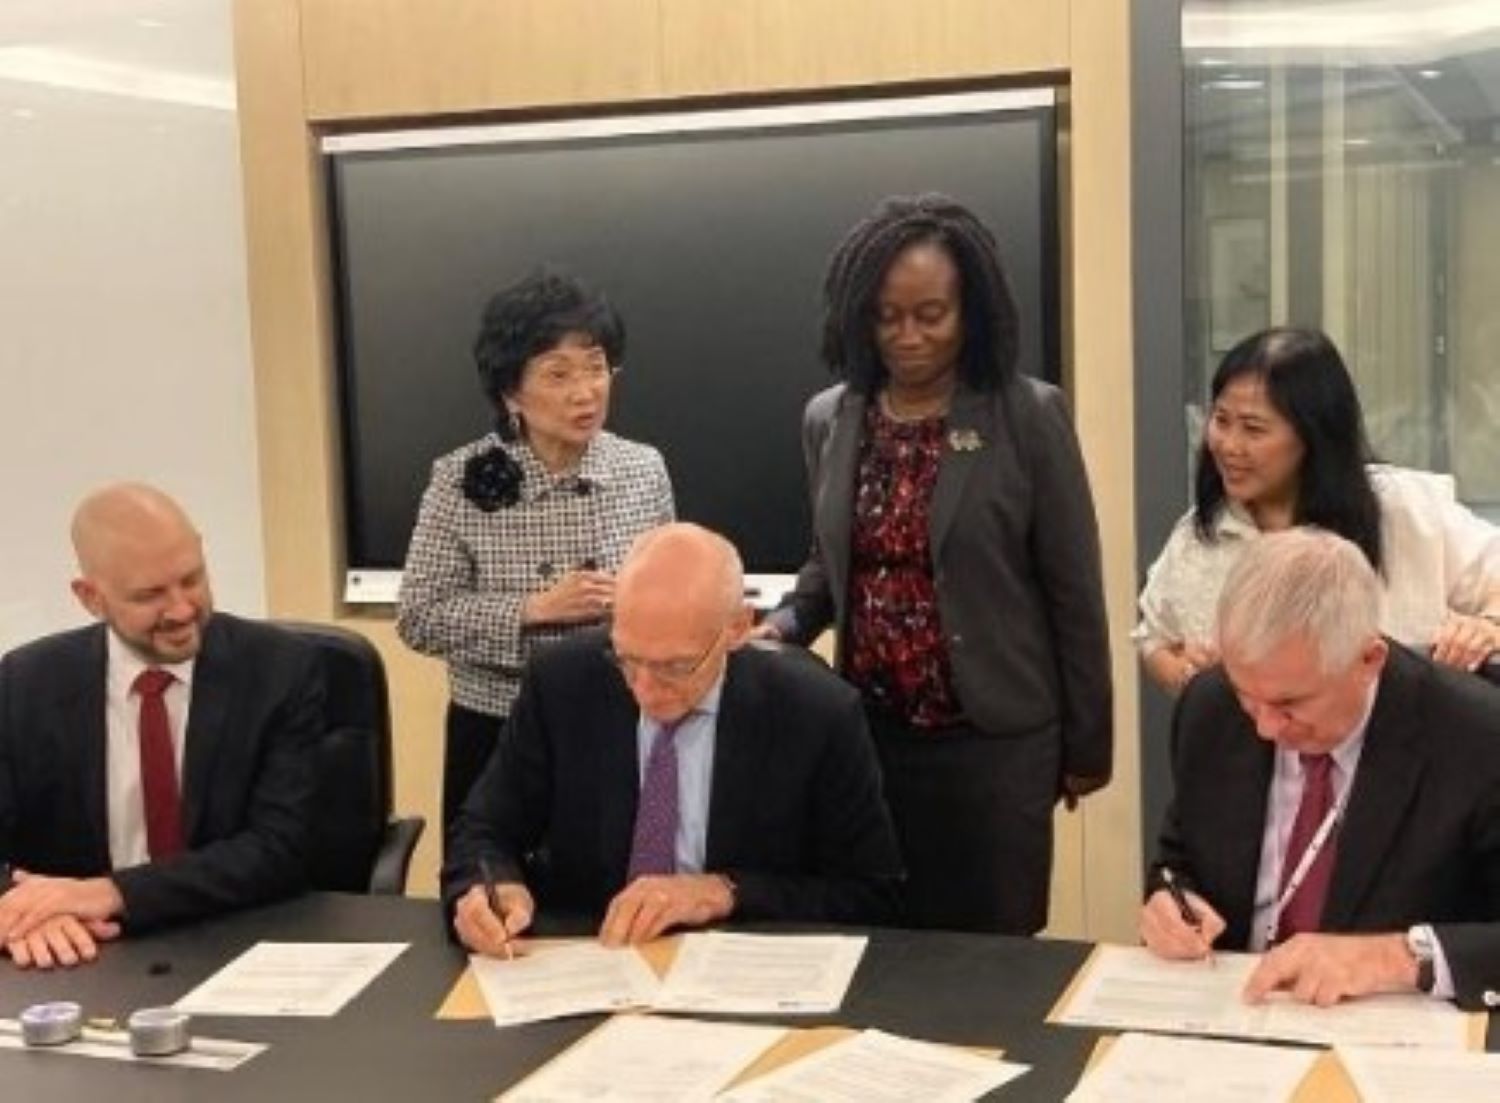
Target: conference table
(976, 990)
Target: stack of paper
(744, 974)
(725, 974)
(634, 1058)
(291, 978)
(1130, 988)
(1398, 1076)
(1146, 1068)
(550, 982)
(875, 1067)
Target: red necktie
(158, 767)
(1305, 909)
(653, 849)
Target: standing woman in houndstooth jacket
(520, 532)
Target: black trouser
(973, 815)
(471, 738)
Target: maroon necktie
(653, 850)
(158, 767)
(1305, 909)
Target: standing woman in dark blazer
(956, 555)
(520, 532)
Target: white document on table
(875, 1067)
(551, 982)
(749, 974)
(291, 978)
(1396, 1076)
(1150, 1068)
(639, 1059)
(1130, 988)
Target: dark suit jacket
(1420, 841)
(796, 818)
(247, 785)
(1015, 557)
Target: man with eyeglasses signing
(1337, 797)
(662, 773)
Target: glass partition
(1342, 170)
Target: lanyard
(1309, 856)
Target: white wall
(124, 332)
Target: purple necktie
(1304, 910)
(653, 850)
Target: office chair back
(353, 803)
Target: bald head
(684, 566)
(141, 570)
(121, 514)
(679, 605)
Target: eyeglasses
(664, 670)
(558, 371)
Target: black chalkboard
(712, 244)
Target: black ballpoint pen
(1185, 908)
(492, 895)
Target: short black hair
(1307, 382)
(858, 267)
(533, 315)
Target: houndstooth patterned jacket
(467, 571)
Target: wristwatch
(1421, 943)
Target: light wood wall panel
(368, 59)
(303, 63)
(290, 331)
(1103, 387)
(709, 46)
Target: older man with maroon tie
(1337, 798)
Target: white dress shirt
(122, 715)
(1282, 801)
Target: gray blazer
(1015, 559)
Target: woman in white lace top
(1285, 445)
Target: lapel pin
(965, 440)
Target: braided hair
(857, 269)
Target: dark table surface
(385, 1045)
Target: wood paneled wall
(309, 64)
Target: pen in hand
(1185, 909)
(492, 894)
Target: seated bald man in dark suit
(1337, 798)
(157, 766)
(671, 777)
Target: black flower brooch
(492, 480)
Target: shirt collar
(125, 666)
(1235, 520)
(1347, 753)
(708, 705)
(707, 708)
